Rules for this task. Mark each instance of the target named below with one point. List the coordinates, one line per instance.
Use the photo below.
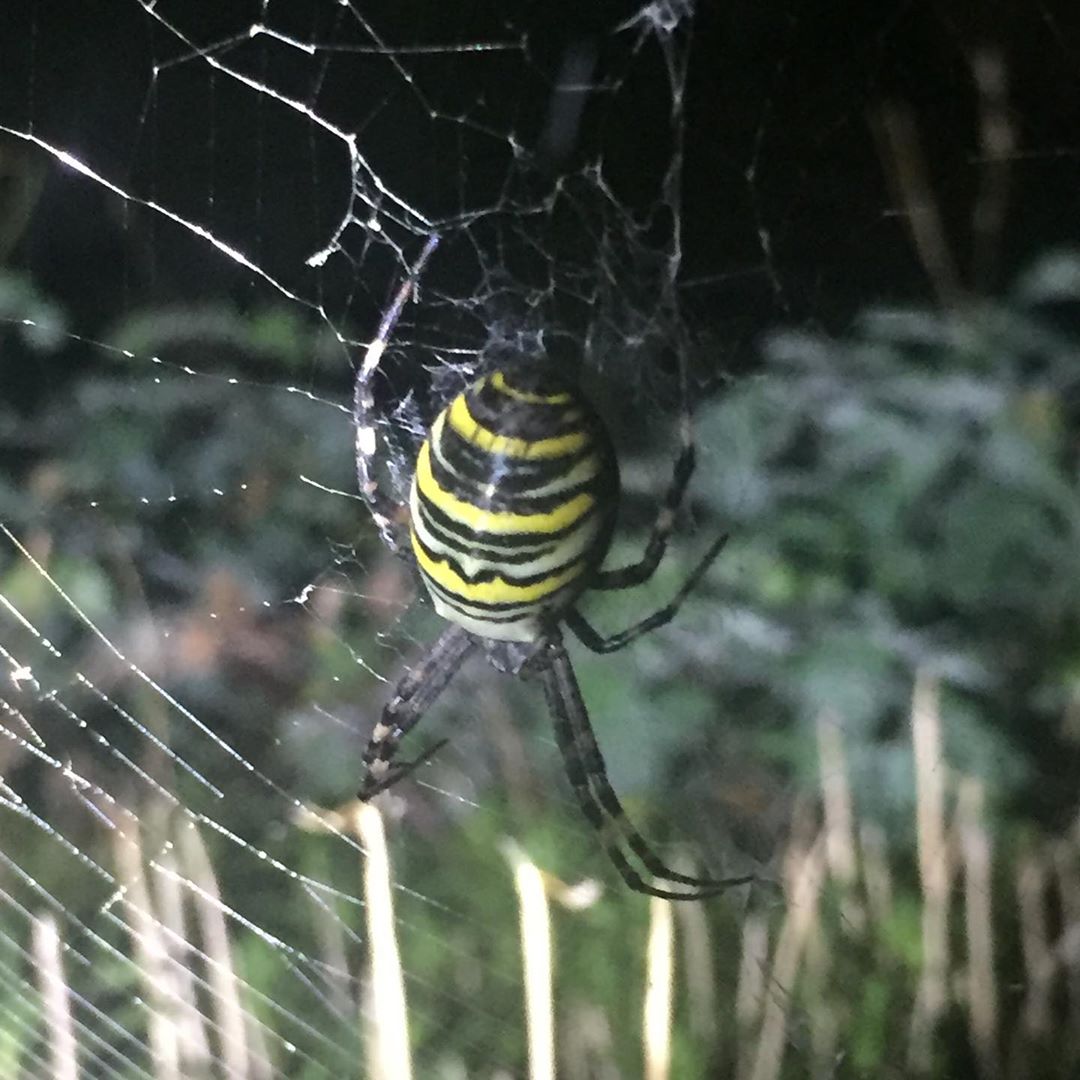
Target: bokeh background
(856, 230)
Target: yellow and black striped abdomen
(512, 503)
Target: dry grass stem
(1039, 963)
(55, 999)
(877, 876)
(906, 167)
(534, 924)
(753, 965)
(824, 1026)
(151, 955)
(840, 850)
(235, 1026)
(659, 978)
(935, 871)
(386, 1022)
(803, 883)
(975, 851)
(1067, 869)
(997, 138)
(191, 1030)
(698, 963)
(331, 933)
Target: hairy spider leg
(587, 773)
(598, 643)
(415, 693)
(383, 509)
(625, 577)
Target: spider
(511, 512)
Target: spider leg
(588, 776)
(598, 643)
(383, 509)
(626, 577)
(418, 688)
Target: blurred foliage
(903, 499)
(907, 498)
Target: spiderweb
(211, 206)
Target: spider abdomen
(512, 503)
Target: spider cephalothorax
(512, 507)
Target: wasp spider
(511, 512)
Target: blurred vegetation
(902, 502)
(907, 498)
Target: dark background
(835, 161)
(797, 93)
